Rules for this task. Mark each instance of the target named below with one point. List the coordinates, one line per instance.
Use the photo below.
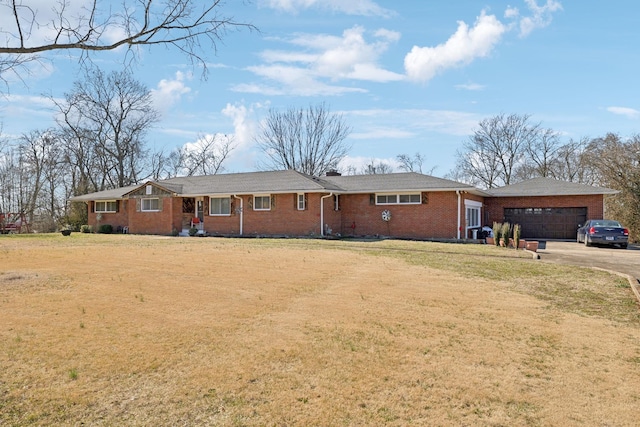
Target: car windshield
(605, 223)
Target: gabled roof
(116, 193)
(410, 181)
(548, 187)
(289, 181)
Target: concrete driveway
(622, 260)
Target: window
(262, 203)
(150, 205)
(107, 206)
(473, 217)
(220, 206)
(301, 203)
(398, 199)
(149, 190)
(472, 213)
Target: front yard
(143, 330)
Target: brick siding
(496, 205)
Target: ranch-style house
(289, 203)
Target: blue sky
(411, 76)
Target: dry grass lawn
(142, 330)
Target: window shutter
(295, 201)
(138, 203)
(273, 201)
(425, 198)
(117, 205)
(160, 199)
(306, 202)
(372, 199)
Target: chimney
(333, 172)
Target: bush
(105, 229)
(85, 228)
(497, 229)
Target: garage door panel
(548, 223)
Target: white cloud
(541, 15)
(244, 127)
(470, 86)
(415, 120)
(382, 132)
(467, 44)
(321, 60)
(169, 92)
(625, 111)
(349, 7)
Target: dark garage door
(547, 223)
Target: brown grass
(141, 330)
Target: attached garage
(546, 208)
(551, 223)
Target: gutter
(322, 212)
(241, 212)
(459, 205)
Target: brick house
(546, 207)
(289, 203)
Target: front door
(200, 208)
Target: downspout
(241, 212)
(459, 205)
(322, 213)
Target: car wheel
(623, 245)
(578, 238)
(586, 240)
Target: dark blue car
(603, 232)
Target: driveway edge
(633, 282)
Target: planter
(502, 243)
(532, 246)
(66, 232)
(522, 244)
(490, 241)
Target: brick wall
(496, 205)
(436, 218)
(283, 218)
(116, 219)
(161, 222)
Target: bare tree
(104, 120)
(311, 140)
(413, 163)
(617, 162)
(377, 168)
(193, 27)
(42, 171)
(541, 153)
(490, 157)
(207, 155)
(572, 163)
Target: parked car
(603, 232)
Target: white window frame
(302, 205)
(397, 197)
(148, 199)
(212, 198)
(262, 196)
(106, 206)
(469, 207)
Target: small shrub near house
(85, 228)
(105, 229)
